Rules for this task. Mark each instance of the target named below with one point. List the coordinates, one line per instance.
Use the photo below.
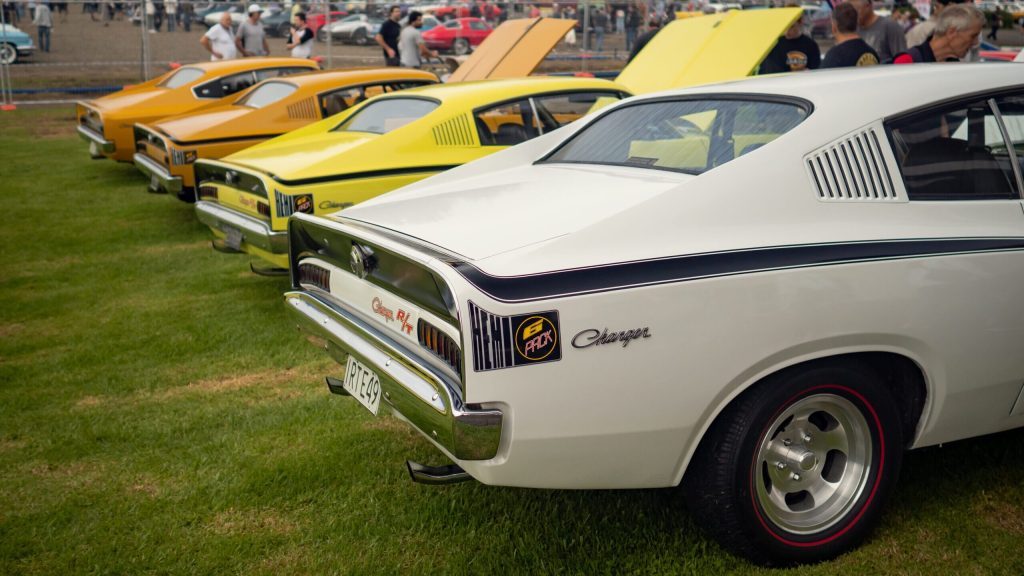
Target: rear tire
(798, 468)
(8, 54)
(460, 46)
(359, 37)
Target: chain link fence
(63, 51)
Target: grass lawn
(158, 414)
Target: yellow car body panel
(175, 143)
(513, 50)
(707, 49)
(319, 169)
(108, 122)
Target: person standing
(600, 27)
(653, 27)
(997, 21)
(300, 41)
(411, 47)
(849, 49)
(43, 20)
(387, 37)
(188, 11)
(633, 21)
(252, 39)
(957, 30)
(149, 10)
(219, 40)
(881, 33)
(171, 7)
(793, 52)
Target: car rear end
(92, 129)
(156, 158)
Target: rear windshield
(181, 77)
(267, 94)
(385, 115)
(690, 136)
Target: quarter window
(510, 123)
(955, 153)
(338, 101)
(225, 86)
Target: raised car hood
(312, 156)
(485, 215)
(222, 122)
(513, 50)
(707, 49)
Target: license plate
(232, 238)
(154, 183)
(94, 149)
(362, 384)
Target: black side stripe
(366, 174)
(562, 283)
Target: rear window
(182, 77)
(267, 94)
(690, 136)
(385, 115)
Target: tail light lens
(440, 344)
(208, 192)
(314, 275)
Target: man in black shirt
(655, 27)
(849, 50)
(794, 51)
(387, 38)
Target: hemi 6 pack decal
(509, 341)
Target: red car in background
(315, 20)
(458, 36)
(465, 10)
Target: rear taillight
(314, 275)
(208, 192)
(440, 344)
(263, 208)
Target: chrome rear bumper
(98, 146)
(423, 396)
(254, 232)
(157, 174)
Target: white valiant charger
(765, 291)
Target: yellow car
(382, 144)
(167, 150)
(107, 123)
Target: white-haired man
(956, 31)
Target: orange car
(166, 150)
(107, 123)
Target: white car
(765, 290)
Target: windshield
(385, 115)
(182, 77)
(690, 136)
(267, 94)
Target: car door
(961, 168)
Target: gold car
(167, 150)
(384, 143)
(107, 123)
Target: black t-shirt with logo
(791, 55)
(854, 52)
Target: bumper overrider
(98, 145)
(255, 232)
(159, 175)
(419, 393)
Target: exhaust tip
(436, 475)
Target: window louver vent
(304, 109)
(455, 132)
(852, 169)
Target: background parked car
(355, 29)
(14, 44)
(459, 35)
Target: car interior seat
(510, 134)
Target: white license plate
(232, 237)
(362, 384)
(154, 183)
(94, 149)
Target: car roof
(329, 78)
(871, 92)
(240, 64)
(481, 91)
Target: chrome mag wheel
(813, 464)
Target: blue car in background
(14, 44)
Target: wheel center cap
(807, 461)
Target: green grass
(158, 414)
